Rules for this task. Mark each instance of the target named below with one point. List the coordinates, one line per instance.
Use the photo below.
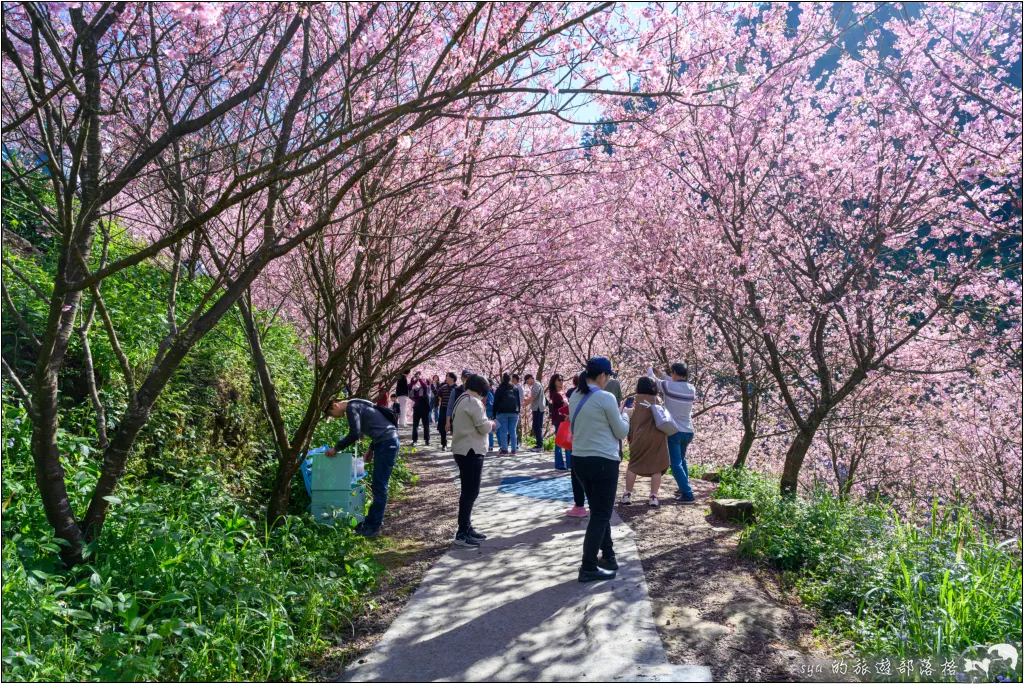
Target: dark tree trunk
(282, 494)
(795, 459)
(745, 444)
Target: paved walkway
(512, 610)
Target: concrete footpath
(512, 610)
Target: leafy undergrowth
(183, 585)
(936, 583)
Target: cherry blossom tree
(199, 130)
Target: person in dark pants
(456, 391)
(419, 394)
(470, 427)
(365, 420)
(537, 404)
(598, 424)
(579, 496)
(444, 393)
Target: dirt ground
(711, 606)
(418, 529)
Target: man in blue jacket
(366, 420)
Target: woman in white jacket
(470, 427)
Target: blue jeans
(384, 455)
(434, 415)
(507, 431)
(490, 435)
(677, 444)
(559, 458)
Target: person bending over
(364, 420)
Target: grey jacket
(364, 419)
(537, 401)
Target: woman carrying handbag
(648, 445)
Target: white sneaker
(653, 502)
(627, 498)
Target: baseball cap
(598, 365)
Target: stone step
(710, 476)
(739, 510)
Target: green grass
(184, 584)
(930, 583)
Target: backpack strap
(464, 395)
(572, 424)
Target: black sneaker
(685, 500)
(364, 531)
(595, 575)
(608, 563)
(464, 540)
(476, 535)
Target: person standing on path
(521, 391)
(597, 428)
(456, 391)
(507, 405)
(469, 427)
(648, 446)
(365, 420)
(444, 393)
(559, 408)
(537, 410)
(679, 396)
(435, 401)
(419, 394)
(615, 387)
(489, 407)
(402, 390)
(579, 497)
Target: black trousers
(421, 414)
(442, 428)
(471, 467)
(600, 479)
(578, 495)
(538, 427)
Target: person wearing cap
(679, 396)
(459, 389)
(469, 427)
(365, 420)
(598, 425)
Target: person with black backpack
(380, 425)
(507, 404)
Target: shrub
(182, 585)
(933, 584)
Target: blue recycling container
(332, 486)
